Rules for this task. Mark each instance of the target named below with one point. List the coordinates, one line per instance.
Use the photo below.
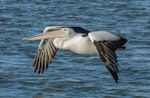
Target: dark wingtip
(39, 71)
(121, 48)
(123, 40)
(42, 71)
(114, 74)
(116, 80)
(35, 69)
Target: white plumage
(80, 41)
(102, 35)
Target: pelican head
(53, 32)
(57, 32)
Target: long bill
(46, 35)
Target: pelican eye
(64, 30)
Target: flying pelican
(101, 43)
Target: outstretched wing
(108, 56)
(45, 53)
(106, 43)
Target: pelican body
(76, 39)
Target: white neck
(59, 42)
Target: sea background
(71, 75)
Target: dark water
(71, 75)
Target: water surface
(72, 75)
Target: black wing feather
(106, 51)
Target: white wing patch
(102, 35)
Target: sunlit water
(71, 75)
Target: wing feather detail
(45, 53)
(106, 44)
(108, 57)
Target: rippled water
(72, 75)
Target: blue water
(71, 75)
